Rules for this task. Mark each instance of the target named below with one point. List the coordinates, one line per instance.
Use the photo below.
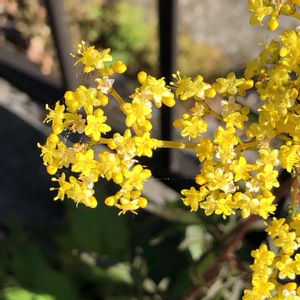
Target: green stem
(121, 102)
(296, 15)
(176, 144)
(247, 145)
(213, 113)
(118, 97)
(284, 138)
(295, 196)
(163, 144)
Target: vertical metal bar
(167, 11)
(61, 36)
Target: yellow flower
(192, 126)
(234, 114)
(219, 179)
(131, 201)
(290, 52)
(85, 163)
(228, 86)
(186, 88)
(119, 67)
(91, 58)
(157, 90)
(225, 205)
(84, 97)
(145, 144)
(265, 205)
(268, 157)
(124, 145)
(74, 122)
(49, 149)
(259, 11)
(286, 241)
(286, 267)
(268, 177)
(138, 112)
(204, 149)
(242, 169)
(276, 227)
(95, 125)
(81, 192)
(64, 186)
(135, 178)
(193, 197)
(56, 116)
(210, 203)
(109, 166)
(289, 156)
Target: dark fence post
(60, 32)
(167, 11)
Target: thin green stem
(284, 137)
(118, 97)
(176, 144)
(296, 15)
(213, 113)
(247, 145)
(295, 196)
(121, 102)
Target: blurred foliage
(119, 25)
(128, 27)
(94, 254)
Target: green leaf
(121, 272)
(196, 241)
(22, 294)
(100, 230)
(32, 271)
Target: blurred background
(53, 250)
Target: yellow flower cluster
(273, 8)
(274, 272)
(79, 166)
(229, 180)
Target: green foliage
(119, 25)
(94, 254)
(22, 294)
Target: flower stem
(118, 97)
(284, 138)
(121, 102)
(247, 145)
(212, 112)
(163, 144)
(176, 144)
(296, 15)
(104, 141)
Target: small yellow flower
(91, 58)
(56, 116)
(192, 126)
(96, 125)
(157, 90)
